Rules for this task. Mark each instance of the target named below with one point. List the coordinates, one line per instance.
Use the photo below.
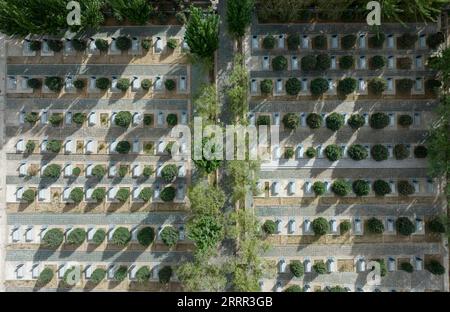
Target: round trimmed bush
(31, 117)
(29, 196)
(375, 226)
(52, 171)
(279, 63)
(29, 147)
(308, 62)
(405, 226)
(269, 227)
(266, 86)
(291, 121)
(34, 83)
(121, 273)
(35, 45)
(123, 84)
(294, 288)
(45, 276)
(79, 118)
(347, 86)
(169, 236)
(123, 119)
(76, 237)
(334, 121)
(404, 85)
(420, 151)
(381, 188)
(405, 188)
(435, 267)
(99, 194)
(76, 195)
(357, 152)
(377, 86)
(98, 275)
(56, 119)
(146, 236)
(123, 147)
(314, 121)
(296, 267)
(78, 84)
(407, 267)
(146, 194)
(401, 151)
(377, 40)
(379, 120)
(377, 62)
(99, 171)
(79, 45)
(340, 187)
(102, 44)
(293, 41)
(123, 194)
(345, 226)
(320, 226)
(54, 84)
(361, 187)
(311, 152)
(55, 45)
(99, 236)
(320, 42)
(123, 43)
(319, 188)
(289, 153)
(172, 43)
(346, 62)
(437, 225)
(323, 62)
(168, 194)
(170, 84)
(53, 238)
(121, 236)
(169, 173)
(146, 44)
(348, 42)
(405, 120)
(143, 274)
(102, 83)
(165, 274)
(379, 152)
(356, 121)
(320, 267)
(269, 42)
(293, 86)
(54, 146)
(318, 86)
(172, 120)
(435, 40)
(333, 152)
(146, 84)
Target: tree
(319, 188)
(76, 194)
(345, 226)
(333, 152)
(320, 226)
(346, 62)
(266, 86)
(99, 194)
(318, 86)
(401, 151)
(435, 267)
(143, 274)
(146, 194)
(279, 63)
(210, 164)
(269, 227)
(405, 188)
(76, 237)
(320, 267)
(136, 11)
(239, 16)
(242, 177)
(29, 196)
(294, 288)
(334, 121)
(169, 236)
(379, 152)
(123, 119)
(122, 195)
(381, 188)
(102, 83)
(206, 232)
(121, 236)
(293, 86)
(169, 173)
(405, 226)
(168, 194)
(291, 121)
(53, 238)
(361, 187)
(202, 32)
(200, 276)
(99, 236)
(375, 226)
(145, 236)
(121, 273)
(296, 267)
(348, 41)
(54, 84)
(357, 152)
(52, 171)
(206, 199)
(314, 121)
(123, 84)
(165, 274)
(123, 147)
(377, 85)
(340, 187)
(206, 103)
(377, 62)
(346, 86)
(379, 120)
(237, 90)
(99, 171)
(420, 151)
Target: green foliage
(435, 267)
(99, 194)
(172, 43)
(266, 86)
(52, 171)
(376, 41)
(79, 44)
(53, 238)
(29, 196)
(269, 42)
(123, 147)
(291, 121)
(340, 187)
(172, 120)
(308, 63)
(168, 194)
(377, 86)
(435, 40)
(405, 188)
(407, 41)
(165, 274)
(345, 226)
(383, 268)
(78, 84)
(102, 45)
(404, 85)
(346, 62)
(348, 42)
(323, 62)
(320, 267)
(170, 84)
(169, 236)
(314, 121)
(98, 275)
(401, 151)
(34, 83)
(206, 199)
(146, 44)
(405, 120)
(143, 274)
(121, 273)
(31, 117)
(239, 16)
(263, 120)
(55, 45)
(379, 120)
(45, 276)
(319, 188)
(318, 86)
(361, 187)
(121, 236)
(123, 170)
(123, 84)
(311, 152)
(79, 118)
(99, 171)
(375, 226)
(420, 151)
(346, 86)
(357, 152)
(289, 153)
(206, 103)
(296, 267)
(206, 231)
(169, 173)
(123, 194)
(293, 41)
(35, 45)
(433, 86)
(145, 236)
(405, 226)
(294, 288)
(320, 226)
(30, 146)
(54, 146)
(238, 88)
(146, 194)
(200, 276)
(377, 62)
(148, 171)
(379, 152)
(55, 84)
(99, 236)
(146, 84)
(56, 119)
(76, 194)
(293, 86)
(123, 43)
(211, 164)
(136, 11)
(334, 121)
(102, 83)
(76, 237)
(123, 119)
(269, 227)
(148, 120)
(333, 152)
(279, 63)
(320, 42)
(407, 267)
(381, 188)
(438, 225)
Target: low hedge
(420, 151)
(381, 188)
(340, 188)
(379, 152)
(405, 120)
(99, 236)
(333, 152)
(293, 86)
(435, 267)
(405, 188)
(401, 151)
(319, 188)
(76, 237)
(348, 42)
(53, 238)
(377, 86)
(377, 62)
(121, 236)
(279, 63)
(291, 121)
(168, 194)
(375, 226)
(320, 226)
(334, 121)
(356, 121)
(266, 86)
(346, 62)
(318, 86)
(296, 268)
(165, 274)
(361, 187)
(405, 226)
(269, 227)
(143, 274)
(357, 152)
(146, 236)
(314, 121)
(269, 42)
(169, 236)
(379, 120)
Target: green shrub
(333, 152)
(55, 45)
(379, 152)
(148, 171)
(52, 171)
(123, 119)
(102, 44)
(146, 44)
(357, 152)
(53, 238)
(291, 121)
(314, 121)
(123, 194)
(308, 63)
(121, 273)
(435, 267)
(35, 45)
(269, 227)
(172, 43)
(347, 86)
(98, 275)
(123, 84)
(346, 62)
(172, 120)
(377, 40)
(348, 42)
(146, 84)
(67, 278)
(45, 276)
(377, 86)
(405, 120)
(29, 196)
(404, 63)
(345, 226)
(54, 146)
(76, 237)
(381, 188)
(123, 147)
(146, 236)
(405, 226)
(31, 117)
(99, 236)
(123, 43)
(318, 86)
(279, 63)
(79, 118)
(375, 226)
(169, 236)
(311, 152)
(269, 42)
(293, 86)
(56, 120)
(266, 86)
(29, 147)
(320, 42)
(289, 153)
(406, 41)
(377, 62)
(169, 173)
(433, 86)
(437, 225)
(123, 170)
(54, 84)
(168, 194)
(435, 40)
(77, 194)
(143, 274)
(401, 151)
(165, 274)
(78, 84)
(99, 171)
(121, 236)
(170, 84)
(34, 83)
(146, 194)
(293, 41)
(404, 85)
(294, 288)
(405, 188)
(79, 45)
(340, 187)
(319, 188)
(323, 62)
(334, 121)
(102, 83)
(420, 151)
(263, 120)
(379, 120)
(320, 267)
(296, 267)
(99, 194)
(320, 226)
(383, 268)
(356, 121)
(361, 187)
(407, 267)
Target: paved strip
(338, 74)
(343, 163)
(97, 70)
(89, 158)
(340, 52)
(156, 217)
